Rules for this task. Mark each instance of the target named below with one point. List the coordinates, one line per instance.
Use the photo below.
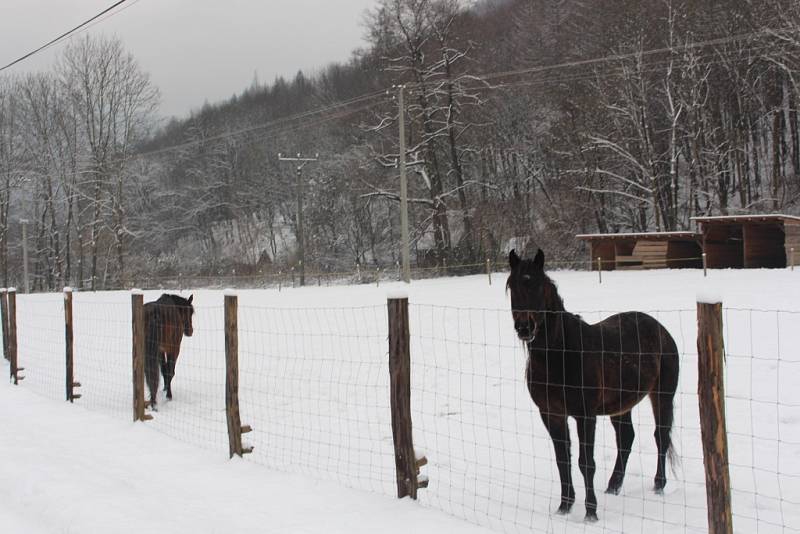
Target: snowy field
(314, 386)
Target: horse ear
(513, 259)
(538, 261)
(190, 298)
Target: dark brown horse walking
(582, 370)
(166, 320)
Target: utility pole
(24, 223)
(404, 248)
(301, 247)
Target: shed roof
(769, 217)
(654, 236)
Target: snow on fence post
(138, 355)
(4, 312)
(235, 428)
(12, 336)
(406, 464)
(711, 394)
(68, 343)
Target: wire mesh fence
(375, 274)
(314, 387)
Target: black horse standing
(166, 320)
(582, 370)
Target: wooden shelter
(750, 241)
(657, 250)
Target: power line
(341, 109)
(337, 106)
(618, 57)
(486, 76)
(62, 36)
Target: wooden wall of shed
(604, 250)
(764, 246)
(792, 241)
(723, 245)
(684, 255)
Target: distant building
(729, 241)
(655, 250)
(749, 241)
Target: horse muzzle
(188, 332)
(526, 331)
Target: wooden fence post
(235, 428)
(406, 464)
(489, 270)
(711, 393)
(68, 338)
(4, 312)
(12, 336)
(705, 264)
(137, 314)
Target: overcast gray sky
(195, 50)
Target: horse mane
(167, 299)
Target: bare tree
(115, 101)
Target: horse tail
(664, 397)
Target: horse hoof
(564, 509)
(591, 517)
(613, 490)
(658, 491)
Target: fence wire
(314, 386)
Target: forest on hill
(526, 121)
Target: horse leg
(151, 374)
(559, 432)
(663, 414)
(586, 430)
(623, 428)
(164, 372)
(169, 373)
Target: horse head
(185, 312)
(532, 294)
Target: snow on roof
(640, 235)
(744, 218)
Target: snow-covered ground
(314, 386)
(67, 470)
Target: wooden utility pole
(711, 393)
(24, 223)
(404, 247)
(301, 246)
